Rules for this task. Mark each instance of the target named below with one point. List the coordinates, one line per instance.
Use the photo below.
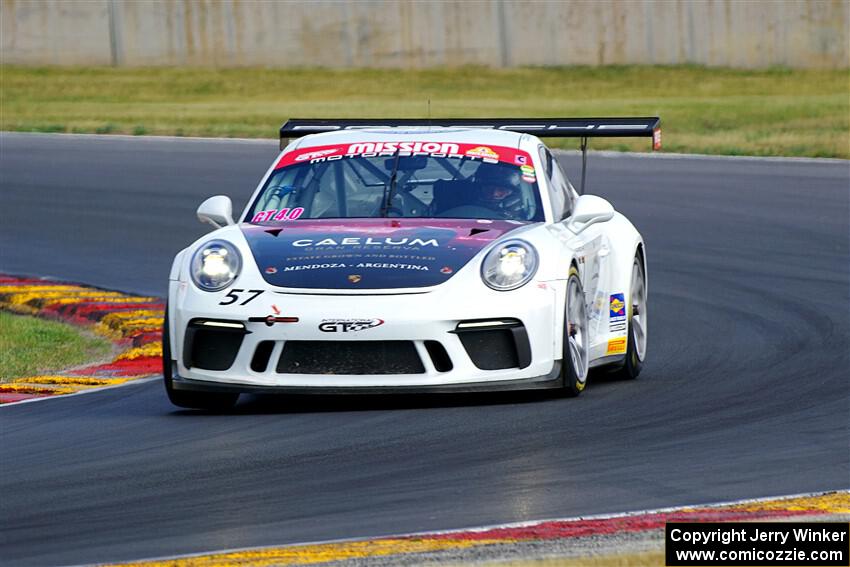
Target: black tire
(572, 367)
(633, 362)
(184, 398)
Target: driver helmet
(499, 188)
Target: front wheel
(187, 399)
(575, 358)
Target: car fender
(608, 330)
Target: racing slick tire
(574, 369)
(636, 350)
(186, 399)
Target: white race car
(407, 256)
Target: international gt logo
(348, 325)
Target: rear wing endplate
(583, 128)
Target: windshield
(400, 179)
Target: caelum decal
(322, 154)
(369, 241)
(369, 253)
(278, 215)
(348, 325)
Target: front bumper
(418, 319)
(553, 380)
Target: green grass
(30, 346)
(706, 110)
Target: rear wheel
(188, 399)
(636, 351)
(575, 357)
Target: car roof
(433, 134)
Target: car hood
(368, 253)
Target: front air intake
(349, 357)
(495, 344)
(211, 344)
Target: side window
(546, 160)
(557, 185)
(560, 180)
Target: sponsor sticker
(528, 173)
(617, 307)
(316, 154)
(348, 325)
(402, 147)
(616, 346)
(520, 159)
(271, 270)
(482, 152)
(446, 270)
(278, 215)
(617, 312)
(355, 278)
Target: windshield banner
(486, 153)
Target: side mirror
(217, 211)
(589, 210)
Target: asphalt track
(745, 393)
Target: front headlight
(215, 265)
(509, 265)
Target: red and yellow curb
(133, 323)
(810, 506)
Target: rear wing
(583, 128)
(648, 127)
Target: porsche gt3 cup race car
(407, 256)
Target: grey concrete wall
(737, 33)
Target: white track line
(496, 526)
(674, 156)
(107, 137)
(81, 392)
(601, 153)
(639, 512)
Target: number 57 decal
(233, 296)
